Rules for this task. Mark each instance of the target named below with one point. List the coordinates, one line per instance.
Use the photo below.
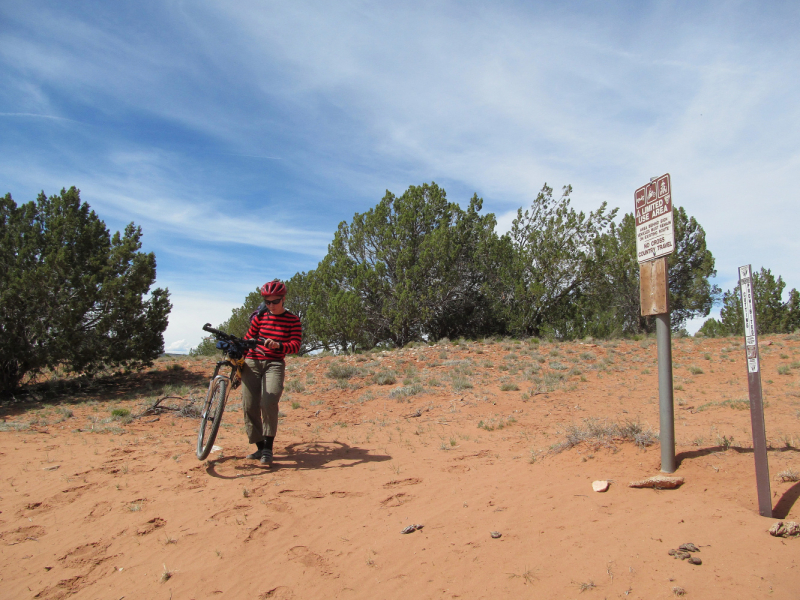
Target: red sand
(103, 510)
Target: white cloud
(179, 346)
(190, 312)
(504, 221)
(354, 98)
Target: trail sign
(655, 239)
(754, 386)
(655, 234)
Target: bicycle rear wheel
(211, 417)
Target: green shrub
(385, 377)
(294, 385)
(460, 383)
(339, 370)
(406, 390)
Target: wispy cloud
(227, 127)
(37, 116)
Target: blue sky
(238, 134)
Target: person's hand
(272, 344)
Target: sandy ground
(104, 509)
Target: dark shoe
(266, 457)
(257, 454)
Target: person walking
(264, 368)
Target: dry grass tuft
(385, 378)
(603, 433)
(340, 370)
(788, 475)
(166, 575)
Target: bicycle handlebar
(251, 344)
(207, 327)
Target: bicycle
(220, 386)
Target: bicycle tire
(212, 411)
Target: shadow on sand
(298, 456)
(700, 452)
(116, 386)
(786, 502)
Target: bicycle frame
(234, 377)
(227, 376)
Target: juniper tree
(404, 270)
(772, 314)
(549, 264)
(691, 294)
(71, 295)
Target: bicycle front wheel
(211, 417)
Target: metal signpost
(754, 385)
(655, 239)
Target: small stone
(659, 482)
(694, 560)
(688, 547)
(412, 528)
(496, 534)
(785, 529)
(600, 486)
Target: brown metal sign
(655, 233)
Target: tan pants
(262, 386)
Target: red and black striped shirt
(284, 328)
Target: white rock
(600, 486)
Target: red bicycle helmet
(273, 288)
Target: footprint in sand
(151, 526)
(260, 531)
(309, 559)
(396, 500)
(229, 512)
(88, 554)
(33, 508)
(99, 510)
(63, 589)
(278, 593)
(64, 497)
(22, 534)
(305, 494)
(456, 469)
(402, 482)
